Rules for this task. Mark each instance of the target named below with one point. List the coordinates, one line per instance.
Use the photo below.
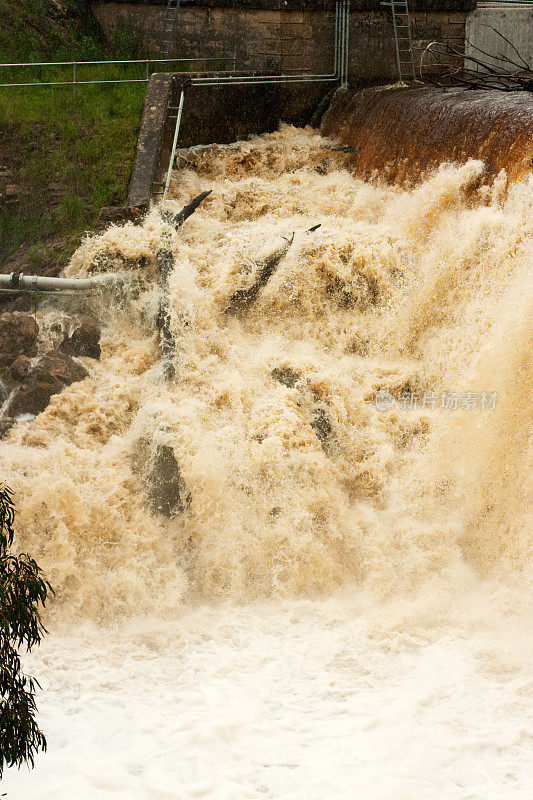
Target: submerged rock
(117, 215)
(167, 493)
(322, 427)
(50, 375)
(286, 376)
(6, 423)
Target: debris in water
(165, 264)
(244, 298)
(322, 427)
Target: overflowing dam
(338, 604)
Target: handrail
(114, 61)
(148, 62)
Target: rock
(115, 215)
(18, 335)
(322, 427)
(6, 423)
(21, 368)
(61, 366)
(84, 340)
(4, 392)
(50, 375)
(286, 376)
(167, 493)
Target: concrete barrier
(515, 23)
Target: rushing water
(404, 132)
(341, 610)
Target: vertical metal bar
(336, 51)
(347, 45)
(147, 70)
(341, 41)
(174, 142)
(411, 42)
(74, 78)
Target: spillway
(403, 133)
(340, 607)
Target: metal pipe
(337, 34)
(341, 40)
(75, 64)
(347, 43)
(284, 79)
(18, 282)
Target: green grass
(69, 155)
(42, 30)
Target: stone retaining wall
(300, 37)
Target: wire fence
(78, 73)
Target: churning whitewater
(337, 606)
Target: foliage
(37, 30)
(128, 40)
(68, 155)
(23, 590)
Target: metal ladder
(403, 42)
(169, 29)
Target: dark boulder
(20, 368)
(322, 427)
(18, 335)
(286, 376)
(117, 215)
(167, 493)
(50, 375)
(84, 340)
(6, 423)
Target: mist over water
(324, 537)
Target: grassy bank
(68, 156)
(61, 157)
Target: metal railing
(75, 65)
(339, 74)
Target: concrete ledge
(149, 143)
(306, 5)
